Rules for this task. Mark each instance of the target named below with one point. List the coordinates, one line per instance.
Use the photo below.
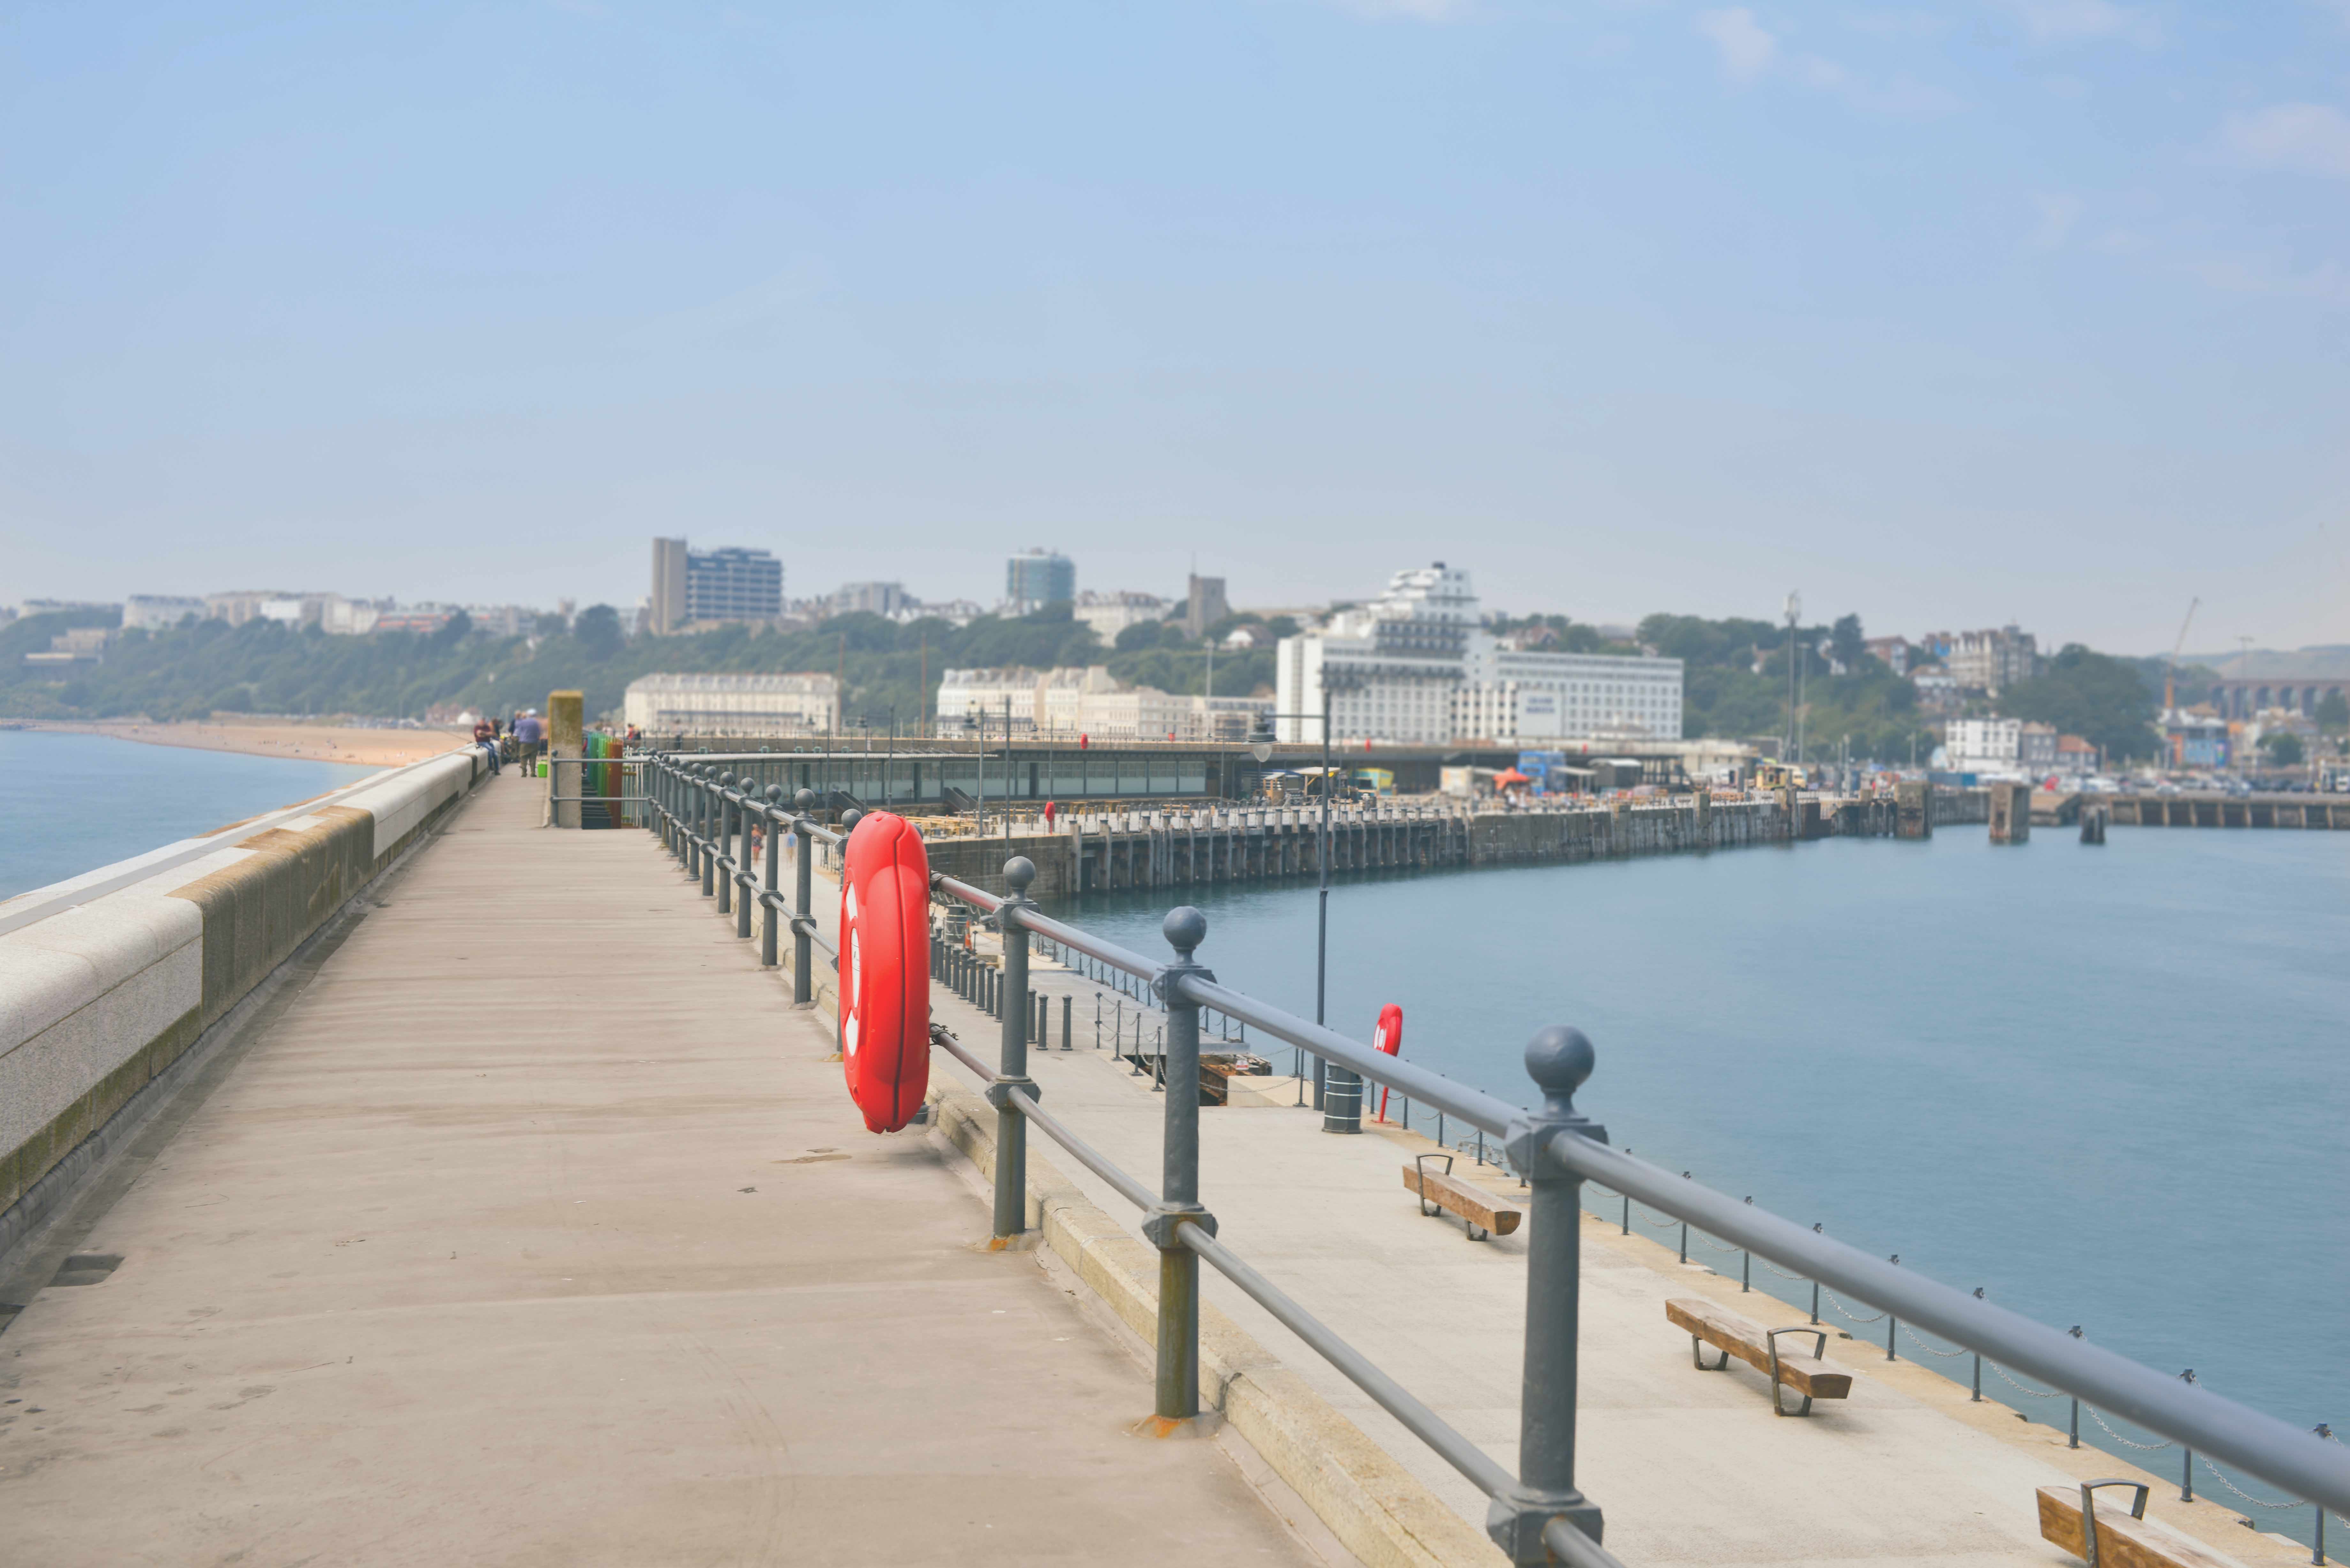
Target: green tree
(2104, 701)
(2283, 747)
(599, 631)
(1847, 643)
(2334, 714)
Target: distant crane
(2170, 683)
(2170, 671)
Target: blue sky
(1949, 314)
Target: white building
(1984, 745)
(1415, 667)
(1089, 702)
(1109, 614)
(776, 705)
(155, 611)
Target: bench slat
(1451, 1193)
(2121, 1541)
(1806, 1374)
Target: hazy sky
(1951, 313)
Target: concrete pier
(527, 1223)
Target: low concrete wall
(97, 1000)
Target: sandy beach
(308, 742)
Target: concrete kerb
(1376, 1508)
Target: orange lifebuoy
(885, 975)
(1387, 1038)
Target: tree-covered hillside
(264, 666)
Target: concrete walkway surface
(532, 1228)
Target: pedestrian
(485, 736)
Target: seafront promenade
(528, 1224)
(491, 1201)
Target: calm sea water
(74, 802)
(2110, 1084)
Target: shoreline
(290, 739)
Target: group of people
(522, 737)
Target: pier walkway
(528, 1224)
(1691, 1468)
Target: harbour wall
(1095, 852)
(99, 998)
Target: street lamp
(1794, 610)
(1340, 1121)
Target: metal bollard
(1559, 1060)
(1179, 1203)
(1012, 1071)
(1068, 1005)
(771, 926)
(803, 898)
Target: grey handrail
(2277, 1451)
(1483, 1470)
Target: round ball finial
(850, 819)
(803, 801)
(1184, 927)
(774, 794)
(1018, 873)
(1560, 1059)
(726, 780)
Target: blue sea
(74, 802)
(2110, 1084)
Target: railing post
(747, 816)
(725, 844)
(772, 917)
(703, 842)
(1012, 1071)
(1559, 1060)
(1179, 1201)
(803, 898)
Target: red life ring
(885, 975)
(1387, 1038)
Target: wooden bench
(1812, 1376)
(2114, 1539)
(1482, 1216)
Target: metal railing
(1538, 1515)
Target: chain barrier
(1666, 1222)
(2128, 1442)
(2217, 1474)
(1921, 1344)
(2023, 1388)
(1846, 1311)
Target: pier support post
(1559, 1060)
(1913, 808)
(1012, 1070)
(1177, 1390)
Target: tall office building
(666, 610)
(1034, 578)
(1204, 605)
(707, 586)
